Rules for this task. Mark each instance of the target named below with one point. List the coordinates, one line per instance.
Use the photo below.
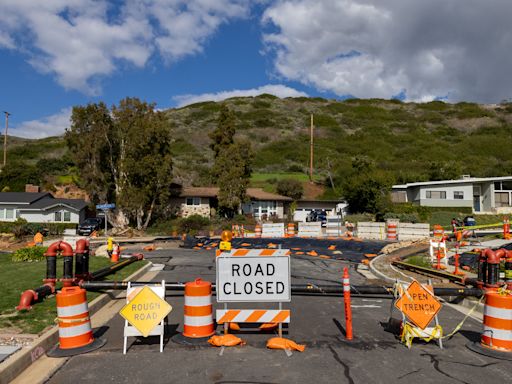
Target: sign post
(105, 208)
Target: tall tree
(232, 166)
(123, 156)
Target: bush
(291, 188)
(28, 254)
(403, 217)
(193, 224)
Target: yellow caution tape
(409, 332)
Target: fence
(313, 229)
(409, 231)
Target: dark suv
(90, 225)
(317, 215)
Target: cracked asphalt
(374, 356)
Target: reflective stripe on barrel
(73, 317)
(198, 319)
(497, 324)
(391, 233)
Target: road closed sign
(253, 279)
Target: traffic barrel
(115, 254)
(506, 229)
(438, 232)
(257, 231)
(198, 323)
(291, 230)
(75, 332)
(391, 231)
(496, 339)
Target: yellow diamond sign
(145, 310)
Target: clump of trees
(291, 188)
(232, 164)
(123, 157)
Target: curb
(17, 363)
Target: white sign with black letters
(253, 279)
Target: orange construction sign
(418, 304)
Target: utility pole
(7, 114)
(311, 152)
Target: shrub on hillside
(193, 224)
(403, 217)
(291, 188)
(28, 254)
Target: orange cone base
(488, 351)
(59, 352)
(184, 340)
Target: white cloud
(273, 89)
(81, 40)
(53, 125)
(372, 48)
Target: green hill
(408, 141)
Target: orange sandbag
(228, 340)
(299, 253)
(31, 244)
(271, 245)
(296, 249)
(245, 244)
(331, 248)
(312, 253)
(234, 326)
(370, 254)
(149, 247)
(199, 244)
(268, 326)
(365, 261)
(282, 343)
(325, 257)
(214, 244)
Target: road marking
(366, 306)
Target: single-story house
(203, 201)
(40, 207)
(331, 207)
(482, 194)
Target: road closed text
(253, 278)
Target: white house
(40, 207)
(482, 194)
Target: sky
(55, 54)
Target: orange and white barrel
(438, 232)
(73, 316)
(198, 322)
(392, 231)
(291, 230)
(257, 231)
(497, 332)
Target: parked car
(90, 225)
(317, 215)
(469, 221)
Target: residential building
(40, 207)
(482, 194)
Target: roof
(253, 193)
(466, 180)
(21, 197)
(48, 202)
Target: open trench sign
(418, 305)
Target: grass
(17, 277)
(263, 177)
(420, 261)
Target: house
(331, 207)
(482, 194)
(203, 201)
(40, 207)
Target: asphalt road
(374, 356)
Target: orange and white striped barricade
(435, 248)
(291, 230)
(198, 323)
(131, 331)
(75, 332)
(496, 339)
(253, 275)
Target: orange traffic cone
(115, 254)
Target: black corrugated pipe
(114, 267)
(82, 259)
(296, 288)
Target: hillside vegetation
(404, 141)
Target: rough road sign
(418, 304)
(145, 311)
(253, 278)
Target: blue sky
(55, 54)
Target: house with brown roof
(188, 201)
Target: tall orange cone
(115, 254)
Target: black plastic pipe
(114, 267)
(296, 288)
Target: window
(9, 213)
(2, 213)
(458, 195)
(503, 185)
(502, 199)
(67, 216)
(193, 201)
(58, 216)
(436, 194)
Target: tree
(123, 156)
(15, 176)
(291, 188)
(232, 166)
